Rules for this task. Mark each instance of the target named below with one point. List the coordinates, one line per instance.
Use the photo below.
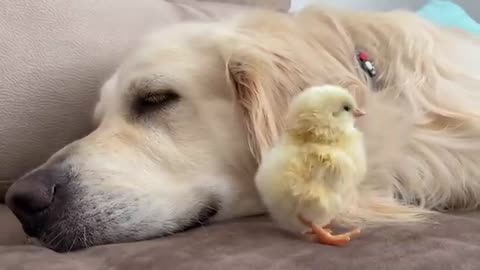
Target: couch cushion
(11, 232)
(254, 243)
(275, 4)
(55, 54)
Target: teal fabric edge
(448, 14)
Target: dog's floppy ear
(264, 79)
(267, 70)
(106, 92)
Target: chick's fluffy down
(317, 190)
(276, 193)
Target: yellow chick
(312, 174)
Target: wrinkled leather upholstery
(54, 55)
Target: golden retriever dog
(184, 121)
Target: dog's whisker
(73, 243)
(59, 240)
(85, 236)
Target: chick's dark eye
(346, 108)
(156, 101)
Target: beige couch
(54, 54)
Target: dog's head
(181, 127)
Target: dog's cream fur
(236, 79)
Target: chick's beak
(358, 113)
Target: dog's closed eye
(151, 102)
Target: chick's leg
(325, 236)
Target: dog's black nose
(31, 196)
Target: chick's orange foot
(324, 235)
